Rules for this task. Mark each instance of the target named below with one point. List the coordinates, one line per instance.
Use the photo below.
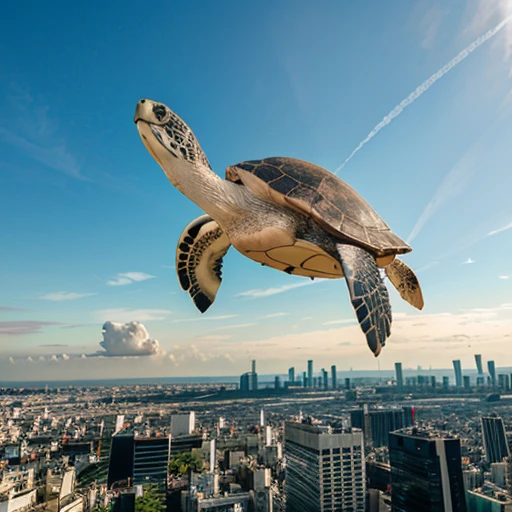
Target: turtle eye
(159, 111)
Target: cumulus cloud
(129, 339)
(193, 356)
(125, 278)
(60, 296)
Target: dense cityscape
(308, 441)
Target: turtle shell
(315, 192)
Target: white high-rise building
(183, 424)
(325, 468)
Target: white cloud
(202, 318)
(500, 230)
(126, 315)
(259, 293)
(430, 24)
(274, 315)
(65, 357)
(236, 326)
(504, 277)
(129, 339)
(344, 321)
(469, 261)
(211, 337)
(125, 278)
(60, 296)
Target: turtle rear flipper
(406, 283)
(368, 294)
(199, 254)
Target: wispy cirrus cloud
(203, 318)
(469, 261)
(343, 321)
(23, 327)
(9, 308)
(267, 292)
(274, 315)
(213, 337)
(61, 296)
(125, 278)
(123, 315)
(34, 134)
(235, 326)
(504, 277)
(430, 23)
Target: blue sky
(90, 222)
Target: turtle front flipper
(199, 254)
(368, 294)
(405, 282)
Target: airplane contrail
(425, 86)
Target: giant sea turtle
(285, 213)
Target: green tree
(150, 501)
(101, 508)
(181, 463)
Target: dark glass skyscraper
(494, 438)
(478, 361)
(458, 373)
(426, 472)
(491, 367)
(399, 375)
(291, 375)
(310, 373)
(334, 378)
(380, 423)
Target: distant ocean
(263, 379)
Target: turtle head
(167, 137)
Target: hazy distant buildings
(458, 372)
(478, 361)
(325, 469)
(494, 439)
(467, 382)
(325, 378)
(334, 378)
(399, 376)
(504, 381)
(249, 380)
(426, 472)
(310, 373)
(491, 368)
(377, 424)
(291, 375)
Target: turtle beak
(144, 111)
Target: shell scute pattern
(329, 200)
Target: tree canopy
(182, 462)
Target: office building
(494, 439)
(399, 376)
(310, 373)
(480, 382)
(334, 378)
(479, 502)
(458, 373)
(426, 472)
(183, 424)
(141, 459)
(332, 459)
(491, 368)
(305, 382)
(479, 367)
(377, 424)
(291, 375)
(433, 381)
(325, 378)
(249, 380)
(504, 382)
(347, 383)
(467, 382)
(277, 382)
(446, 382)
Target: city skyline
(91, 222)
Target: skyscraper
(291, 375)
(492, 372)
(478, 361)
(305, 382)
(380, 422)
(334, 378)
(426, 472)
(494, 439)
(503, 382)
(467, 382)
(325, 377)
(399, 375)
(458, 373)
(325, 468)
(310, 373)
